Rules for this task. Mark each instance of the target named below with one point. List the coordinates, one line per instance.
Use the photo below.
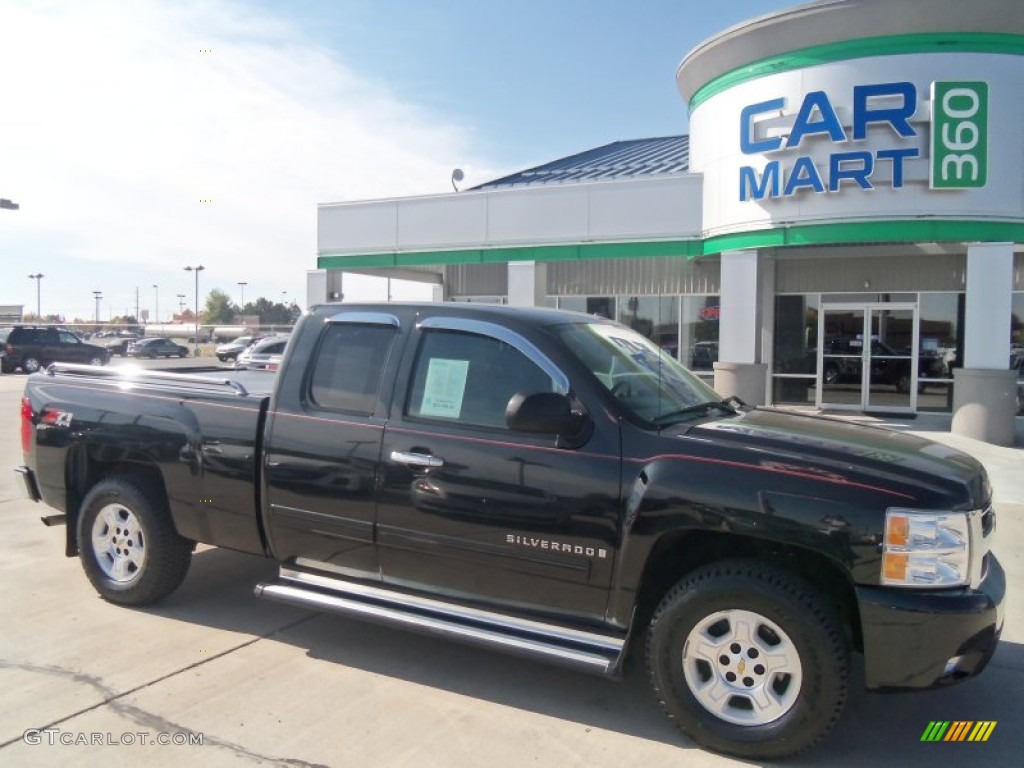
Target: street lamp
(197, 270)
(156, 288)
(241, 302)
(181, 303)
(98, 295)
(39, 279)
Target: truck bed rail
(147, 376)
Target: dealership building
(843, 227)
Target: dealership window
(940, 339)
(603, 306)
(684, 326)
(795, 353)
(1017, 346)
(1017, 323)
(699, 332)
(654, 317)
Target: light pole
(197, 270)
(156, 289)
(181, 303)
(38, 277)
(241, 301)
(98, 295)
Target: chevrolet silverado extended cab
(549, 484)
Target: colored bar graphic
(935, 731)
(958, 730)
(982, 730)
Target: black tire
(30, 364)
(97, 361)
(789, 620)
(903, 383)
(831, 375)
(155, 559)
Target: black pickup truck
(549, 484)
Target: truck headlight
(926, 549)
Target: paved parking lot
(267, 684)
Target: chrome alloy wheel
(118, 543)
(742, 667)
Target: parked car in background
(843, 364)
(157, 347)
(232, 349)
(119, 346)
(33, 347)
(263, 355)
(703, 356)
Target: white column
(739, 370)
(739, 331)
(985, 390)
(988, 306)
(527, 283)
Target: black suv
(32, 347)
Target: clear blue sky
(141, 136)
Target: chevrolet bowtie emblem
(742, 666)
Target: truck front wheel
(748, 660)
(129, 548)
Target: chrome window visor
(501, 333)
(368, 318)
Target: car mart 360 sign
(884, 112)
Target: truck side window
(349, 363)
(469, 378)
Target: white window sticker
(445, 388)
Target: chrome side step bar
(585, 651)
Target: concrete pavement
(266, 684)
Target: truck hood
(887, 456)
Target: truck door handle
(417, 459)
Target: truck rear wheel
(128, 546)
(748, 660)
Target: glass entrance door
(866, 357)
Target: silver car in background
(264, 355)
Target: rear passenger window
(349, 365)
(468, 378)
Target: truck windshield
(646, 380)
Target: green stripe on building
(893, 45)
(911, 231)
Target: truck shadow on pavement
(875, 729)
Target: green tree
(218, 308)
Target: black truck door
(472, 510)
(323, 445)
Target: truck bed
(200, 439)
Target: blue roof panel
(636, 158)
